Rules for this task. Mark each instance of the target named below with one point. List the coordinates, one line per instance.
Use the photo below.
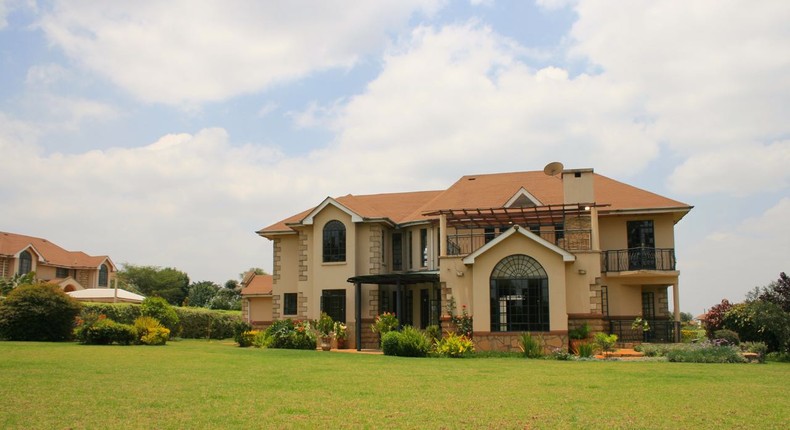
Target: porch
(660, 331)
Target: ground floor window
(289, 304)
(519, 295)
(333, 303)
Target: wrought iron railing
(463, 243)
(622, 260)
(660, 331)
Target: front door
(641, 245)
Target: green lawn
(200, 384)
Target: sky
(167, 133)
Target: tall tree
(778, 292)
(168, 283)
(201, 293)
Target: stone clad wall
(278, 255)
(490, 341)
(302, 255)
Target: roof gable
(566, 256)
(310, 218)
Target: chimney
(577, 186)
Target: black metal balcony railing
(622, 260)
(467, 243)
(661, 331)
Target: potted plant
(325, 325)
(340, 334)
(578, 336)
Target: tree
(686, 317)
(38, 312)
(8, 284)
(778, 292)
(714, 319)
(201, 293)
(232, 284)
(226, 299)
(760, 321)
(158, 308)
(256, 270)
(168, 283)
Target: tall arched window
(103, 275)
(334, 242)
(519, 295)
(25, 263)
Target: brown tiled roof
(259, 284)
(492, 191)
(53, 255)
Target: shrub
(290, 335)
(728, 336)
(160, 309)
(463, 323)
(605, 342)
(691, 335)
(124, 313)
(384, 323)
(104, 331)
(261, 340)
(559, 354)
(705, 353)
(759, 348)
(530, 346)
(455, 346)
(714, 319)
(409, 342)
(581, 332)
(586, 350)
(150, 331)
(325, 325)
(247, 338)
(654, 349)
(780, 357)
(239, 328)
(40, 312)
(760, 321)
(198, 323)
(434, 333)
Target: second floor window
(289, 304)
(334, 242)
(424, 247)
(397, 252)
(25, 263)
(103, 275)
(61, 272)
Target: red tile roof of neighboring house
(259, 284)
(491, 191)
(11, 244)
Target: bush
(124, 313)
(728, 336)
(455, 346)
(198, 323)
(290, 335)
(559, 354)
(239, 328)
(605, 342)
(160, 309)
(261, 340)
(384, 323)
(780, 357)
(247, 338)
(705, 353)
(409, 342)
(586, 350)
(40, 312)
(434, 333)
(654, 349)
(691, 335)
(760, 321)
(530, 346)
(100, 330)
(759, 348)
(150, 331)
(581, 332)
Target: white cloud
(729, 262)
(267, 108)
(45, 74)
(183, 52)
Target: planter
(326, 343)
(341, 344)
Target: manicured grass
(200, 384)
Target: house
(256, 299)
(71, 270)
(541, 252)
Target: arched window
(334, 242)
(519, 295)
(103, 275)
(25, 263)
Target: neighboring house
(523, 252)
(256, 299)
(71, 270)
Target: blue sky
(166, 133)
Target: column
(676, 304)
(358, 314)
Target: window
(25, 263)
(334, 242)
(489, 234)
(648, 305)
(424, 247)
(519, 295)
(641, 245)
(103, 275)
(333, 302)
(605, 300)
(61, 272)
(289, 304)
(397, 252)
(409, 250)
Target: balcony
(661, 331)
(463, 243)
(633, 259)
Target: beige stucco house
(256, 299)
(523, 251)
(71, 270)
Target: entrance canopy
(407, 278)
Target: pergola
(527, 215)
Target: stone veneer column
(276, 307)
(302, 251)
(662, 306)
(301, 304)
(375, 249)
(278, 252)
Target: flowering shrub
(100, 330)
(246, 338)
(340, 330)
(288, 334)
(384, 323)
(463, 323)
(454, 346)
(150, 331)
(325, 325)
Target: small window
(397, 252)
(605, 300)
(409, 250)
(289, 304)
(424, 247)
(103, 276)
(61, 272)
(489, 234)
(334, 242)
(25, 263)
